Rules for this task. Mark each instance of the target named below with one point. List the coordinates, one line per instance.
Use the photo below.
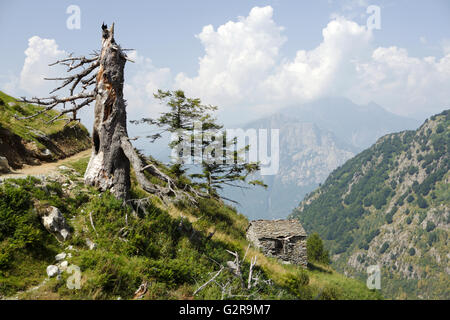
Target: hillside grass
(25, 128)
(165, 245)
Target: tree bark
(109, 167)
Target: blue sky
(278, 53)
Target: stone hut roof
(274, 229)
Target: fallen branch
(92, 223)
(250, 273)
(209, 281)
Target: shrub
(315, 250)
(412, 251)
(390, 214)
(421, 202)
(329, 293)
(384, 247)
(20, 228)
(389, 218)
(371, 235)
(432, 238)
(430, 226)
(297, 284)
(413, 170)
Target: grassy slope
(389, 205)
(152, 247)
(24, 128)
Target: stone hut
(282, 239)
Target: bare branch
(92, 222)
(75, 78)
(235, 266)
(209, 281)
(73, 110)
(140, 292)
(81, 61)
(51, 102)
(250, 273)
(83, 77)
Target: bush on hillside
(315, 250)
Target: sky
(250, 58)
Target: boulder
(52, 271)
(55, 223)
(91, 245)
(4, 165)
(60, 256)
(63, 265)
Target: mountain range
(315, 138)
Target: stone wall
(290, 250)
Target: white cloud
(242, 66)
(325, 70)
(401, 83)
(243, 71)
(145, 80)
(238, 55)
(39, 54)
(445, 44)
(350, 9)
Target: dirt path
(44, 168)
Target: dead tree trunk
(112, 151)
(109, 168)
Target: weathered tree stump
(109, 168)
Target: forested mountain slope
(389, 205)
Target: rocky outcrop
(307, 155)
(56, 224)
(4, 165)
